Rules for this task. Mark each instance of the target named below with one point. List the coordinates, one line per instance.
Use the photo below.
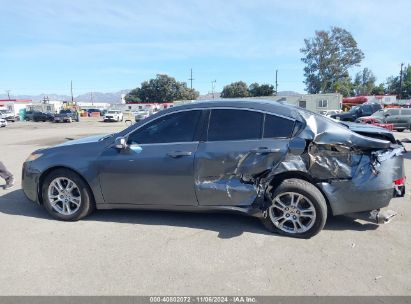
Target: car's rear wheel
(298, 209)
(400, 130)
(66, 196)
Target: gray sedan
(283, 164)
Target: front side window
(176, 127)
(227, 124)
(275, 126)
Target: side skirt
(236, 209)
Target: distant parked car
(399, 117)
(41, 116)
(128, 116)
(66, 115)
(113, 115)
(29, 115)
(330, 112)
(3, 123)
(7, 115)
(366, 109)
(90, 111)
(141, 114)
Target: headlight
(33, 156)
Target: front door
(157, 167)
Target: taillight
(400, 181)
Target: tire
(310, 200)
(400, 130)
(81, 192)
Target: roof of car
(254, 104)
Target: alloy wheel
(292, 212)
(64, 196)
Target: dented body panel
(225, 172)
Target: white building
(312, 102)
(15, 106)
(93, 105)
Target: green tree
(344, 86)
(133, 96)
(364, 82)
(161, 89)
(378, 90)
(406, 83)
(393, 85)
(327, 57)
(235, 89)
(256, 90)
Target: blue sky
(111, 45)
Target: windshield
(113, 112)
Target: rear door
(239, 145)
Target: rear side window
(234, 125)
(275, 126)
(367, 109)
(405, 111)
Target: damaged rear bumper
(377, 179)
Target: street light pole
(213, 87)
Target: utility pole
(191, 79)
(400, 94)
(276, 82)
(91, 98)
(71, 90)
(8, 93)
(213, 87)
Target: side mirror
(120, 143)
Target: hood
(84, 140)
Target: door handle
(263, 150)
(176, 154)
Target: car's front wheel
(66, 196)
(298, 209)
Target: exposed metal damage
(338, 161)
